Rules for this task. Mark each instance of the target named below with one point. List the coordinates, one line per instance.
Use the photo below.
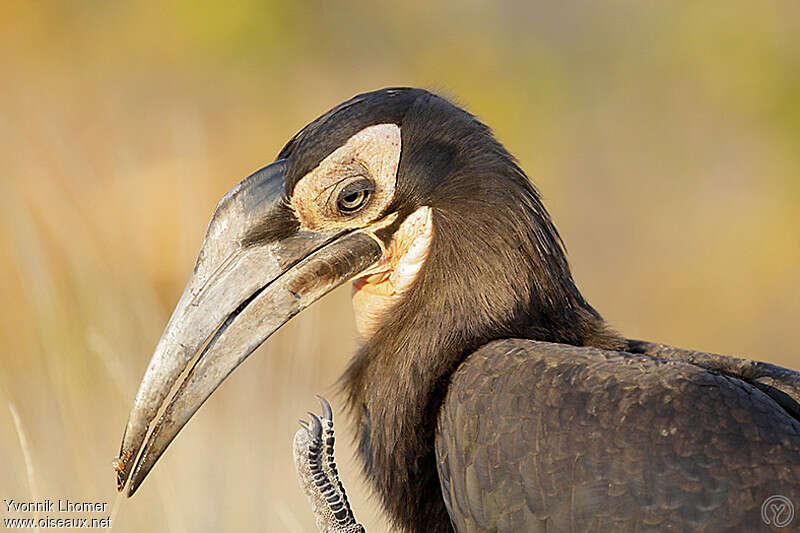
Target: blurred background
(665, 138)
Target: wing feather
(535, 436)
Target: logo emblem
(777, 511)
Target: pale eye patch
(372, 154)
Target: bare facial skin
(373, 154)
(375, 293)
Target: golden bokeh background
(664, 136)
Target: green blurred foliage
(665, 137)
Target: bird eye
(354, 196)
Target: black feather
(496, 269)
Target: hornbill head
(374, 190)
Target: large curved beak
(256, 270)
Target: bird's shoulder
(538, 436)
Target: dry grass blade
(26, 453)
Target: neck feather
(490, 274)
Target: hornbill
(487, 394)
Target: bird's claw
(327, 412)
(319, 478)
(316, 429)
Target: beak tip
(123, 467)
(120, 472)
(133, 484)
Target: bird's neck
(398, 379)
(491, 275)
(395, 387)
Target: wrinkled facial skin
(372, 155)
(373, 152)
(375, 293)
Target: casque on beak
(256, 269)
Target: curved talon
(316, 432)
(327, 412)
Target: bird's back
(536, 436)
